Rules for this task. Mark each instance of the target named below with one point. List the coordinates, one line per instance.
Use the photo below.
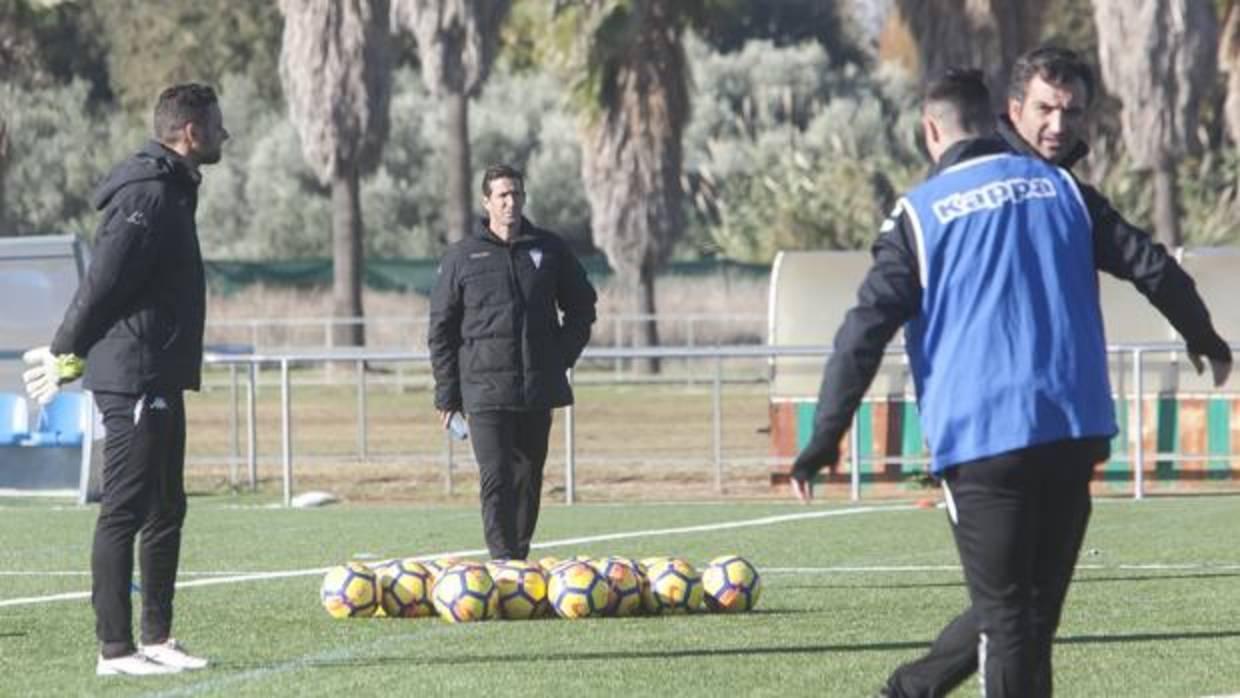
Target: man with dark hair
(135, 328)
(500, 351)
(991, 267)
(1049, 95)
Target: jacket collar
(968, 149)
(526, 233)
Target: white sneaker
(136, 664)
(172, 653)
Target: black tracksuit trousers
(1018, 520)
(143, 491)
(511, 449)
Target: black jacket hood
(1007, 131)
(152, 162)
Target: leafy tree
(49, 42)
(457, 42)
(337, 82)
(153, 45)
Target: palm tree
(457, 42)
(1229, 62)
(988, 34)
(1158, 57)
(336, 74)
(4, 161)
(633, 98)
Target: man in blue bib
(991, 268)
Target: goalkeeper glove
(49, 372)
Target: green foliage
(60, 148)
(152, 46)
(789, 154)
(47, 42)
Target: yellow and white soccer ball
(521, 587)
(675, 587)
(548, 563)
(465, 593)
(625, 583)
(731, 584)
(350, 590)
(577, 590)
(438, 565)
(405, 589)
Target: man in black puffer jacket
(500, 351)
(137, 320)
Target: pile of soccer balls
(461, 591)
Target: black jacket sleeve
(1127, 252)
(444, 334)
(889, 296)
(122, 260)
(576, 297)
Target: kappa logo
(536, 256)
(992, 196)
(137, 218)
(158, 403)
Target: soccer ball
(521, 587)
(437, 566)
(548, 563)
(577, 590)
(405, 589)
(465, 592)
(625, 582)
(675, 587)
(731, 584)
(350, 591)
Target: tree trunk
(4, 163)
(347, 257)
(648, 327)
(457, 216)
(1167, 204)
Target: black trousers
(143, 491)
(1018, 520)
(511, 449)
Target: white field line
(833, 569)
(648, 533)
(1146, 567)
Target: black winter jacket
(890, 295)
(495, 337)
(137, 317)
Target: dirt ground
(633, 441)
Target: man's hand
(49, 372)
(819, 453)
(1219, 369)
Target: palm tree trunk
(347, 257)
(457, 216)
(1167, 204)
(4, 163)
(648, 326)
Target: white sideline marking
(1150, 567)
(260, 576)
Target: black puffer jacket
(138, 315)
(495, 337)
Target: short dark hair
(182, 104)
(963, 91)
(1057, 66)
(501, 171)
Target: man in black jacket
(137, 321)
(1049, 95)
(499, 351)
(891, 295)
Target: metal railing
(360, 358)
